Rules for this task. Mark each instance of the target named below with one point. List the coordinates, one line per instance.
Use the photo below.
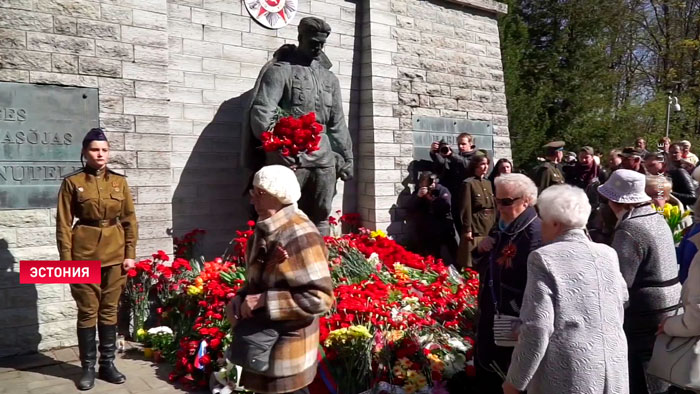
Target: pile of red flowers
(292, 136)
(210, 291)
(388, 298)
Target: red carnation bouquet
(291, 136)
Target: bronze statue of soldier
(298, 81)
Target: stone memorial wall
(171, 80)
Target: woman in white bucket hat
(647, 255)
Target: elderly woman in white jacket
(571, 338)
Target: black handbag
(252, 345)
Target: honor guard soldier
(550, 173)
(105, 230)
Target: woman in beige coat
(687, 324)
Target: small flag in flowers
(200, 353)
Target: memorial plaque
(41, 132)
(426, 130)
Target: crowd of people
(579, 271)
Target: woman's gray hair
(519, 184)
(566, 205)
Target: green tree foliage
(598, 72)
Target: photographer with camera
(431, 205)
(451, 167)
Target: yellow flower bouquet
(674, 218)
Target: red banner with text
(59, 272)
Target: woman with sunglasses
(502, 258)
(477, 208)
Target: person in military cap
(106, 230)
(550, 173)
(299, 81)
(632, 159)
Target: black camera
(444, 148)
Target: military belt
(99, 223)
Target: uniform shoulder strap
(115, 173)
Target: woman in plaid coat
(288, 283)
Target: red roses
(292, 136)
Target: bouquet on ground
(291, 136)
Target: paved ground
(56, 371)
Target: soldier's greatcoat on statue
(298, 81)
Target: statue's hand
(346, 171)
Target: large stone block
(28, 60)
(145, 106)
(47, 252)
(186, 63)
(13, 39)
(151, 55)
(64, 63)
(184, 29)
(151, 90)
(223, 36)
(153, 212)
(218, 66)
(65, 25)
(116, 86)
(100, 67)
(36, 236)
(152, 124)
(77, 8)
(257, 41)
(141, 36)
(95, 29)
(117, 122)
(201, 48)
(186, 95)
(147, 247)
(235, 22)
(248, 55)
(111, 104)
(24, 218)
(180, 12)
(150, 20)
(114, 50)
(199, 80)
(144, 72)
(26, 20)
(153, 160)
(147, 142)
(116, 14)
(14, 75)
(61, 44)
(206, 17)
(155, 230)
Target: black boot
(108, 346)
(88, 357)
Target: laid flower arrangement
(291, 136)
(674, 218)
(400, 319)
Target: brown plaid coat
(297, 291)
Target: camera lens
(445, 149)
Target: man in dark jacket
(451, 167)
(435, 232)
(683, 184)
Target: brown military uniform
(106, 230)
(478, 216)
(548, 174)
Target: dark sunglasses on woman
(506, 202)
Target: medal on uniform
(80, 189)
